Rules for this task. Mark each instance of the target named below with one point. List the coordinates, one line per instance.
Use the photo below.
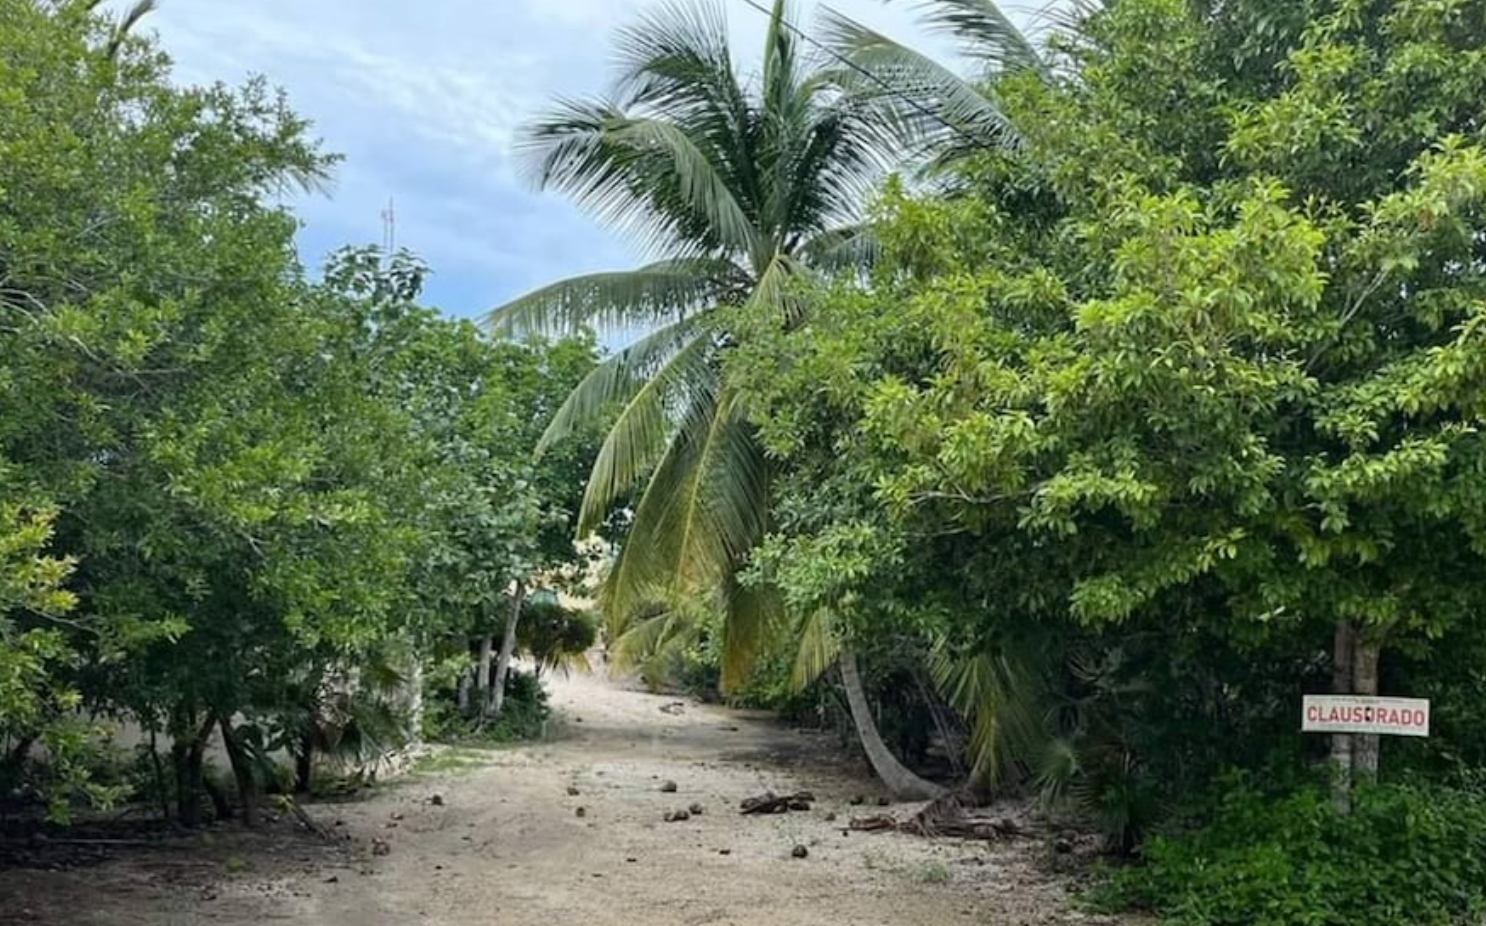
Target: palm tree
(738, 188)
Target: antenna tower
(389, 229)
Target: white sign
(1357, 714)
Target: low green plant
(1406, 854)
(933, 873)
(525, 713)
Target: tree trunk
(188, 757)
(187, 786)
(21, 751)
(162, 792)
(1365, 682)
(482, 675)
(466, 684)
(902, 782)
(220, 804)
(304, 759)
(414, 690)
(1343, 648)
(242, 772)
(507, 650)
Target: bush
(525, 711)
(524, 716)
(557, 637)
(1405, 855)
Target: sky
(423, 100)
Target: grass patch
(933, 873)
(450, 760)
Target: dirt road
(496, 838)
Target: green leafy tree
(491, 515)
(212, 452)
(1208, 368)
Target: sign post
(1358, 714)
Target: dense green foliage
(1404, 855)
(1140, 415)
(233, 502)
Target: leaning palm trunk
(895, 776)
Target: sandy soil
(498, 839)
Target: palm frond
(773, 288)
(1057, 771)
(676, 64)
(702, 190)
(645, 427)
(1001, 697)
(677, 57)
(705, 507)
(634, 582)
(930, 104)
(657, 293)
(754, 617)
(651, 636)
(722, 509)
(982, 32)
(644, 175)
(618, 378)
(850, 247)
(818, 648)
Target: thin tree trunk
(162, 793)
(242, 771)
(188, 756)
(1343, 649)
(902, 782)
(415, 702)
(482, 675)
(1365, 680)
(187, 788)
(507, 650)
(304, 760)
(466, 683)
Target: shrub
(525, 712)
(1405, 855)
(524, 715)
(557, 637)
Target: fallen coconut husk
(769, 802)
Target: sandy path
(508, 847)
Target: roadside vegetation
(1051, 430)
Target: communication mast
(389, 229)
